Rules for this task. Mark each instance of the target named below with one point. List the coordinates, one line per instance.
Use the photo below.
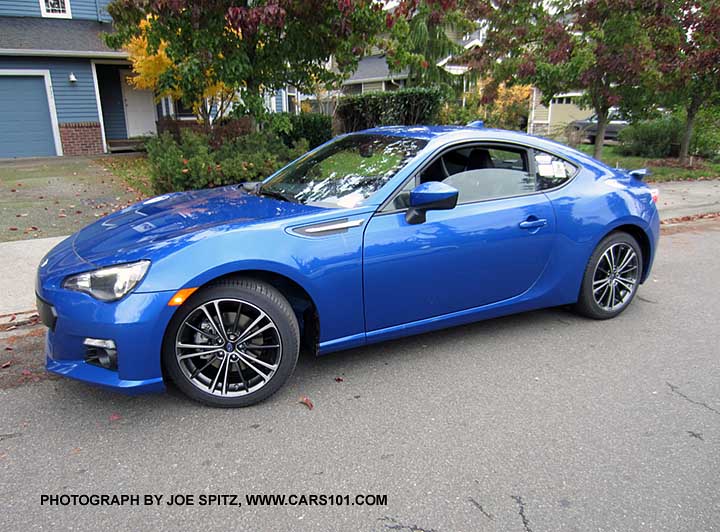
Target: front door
(139, 108)
(493, 246)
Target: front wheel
(232, 344)
(611, 277)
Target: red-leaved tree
(686, 38)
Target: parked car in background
(372, 236)
(588, 127)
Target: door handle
(533, 223)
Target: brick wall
(81, 138)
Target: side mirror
(431, 196)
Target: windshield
(345, 172)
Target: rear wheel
(611, 277)
(232, 344)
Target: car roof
(440, 135)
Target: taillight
(655, 193)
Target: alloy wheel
(616, 277)
(228, 347)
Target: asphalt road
(538, 422)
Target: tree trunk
(692, 111)
(602, 120)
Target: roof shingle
(29, 34)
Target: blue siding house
(64, 92)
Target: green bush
(706, 137)
(316, 128)
(401, 107)
(651, 138)
(192, 163)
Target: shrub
(316, 128)
(193, 163)
(706, 137)
(651, 138)
(224, 130)
(401, 107)
(166, 162)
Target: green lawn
(134, 170)
(662, 169)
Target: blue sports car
(375, 235)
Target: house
(64, 92)
(551, 120)
(373, 72)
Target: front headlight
(111, 283)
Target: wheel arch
(643, 239)
(297, 295)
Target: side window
(483, 173)
(552, 171)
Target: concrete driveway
(539, 422)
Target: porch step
(126, 145)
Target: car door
(491, 247)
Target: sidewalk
(20, 259)
(687, 198)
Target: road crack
(521, 511)
(394, 524)
(676, 390)
(479, 507)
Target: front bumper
(136, 324)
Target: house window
(183, 111)
(55, 8)
(355, 88)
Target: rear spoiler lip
(639, 173)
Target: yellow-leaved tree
(149, 68)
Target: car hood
(171, 218)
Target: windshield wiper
(259, 190)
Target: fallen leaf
(8, 348)
(13, 228)
(13, 317)
(339, 379)
(7, 364)
(307, 402)
(26, 372)
(115, 417)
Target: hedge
(316, 128)
(402, 107)
(651, 138)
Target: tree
(422, 38)
(601, 47)
(686, 37)
(251, 46)
(149, 67)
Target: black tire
(587, 303)
(259, 296)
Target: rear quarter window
(552, 171)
